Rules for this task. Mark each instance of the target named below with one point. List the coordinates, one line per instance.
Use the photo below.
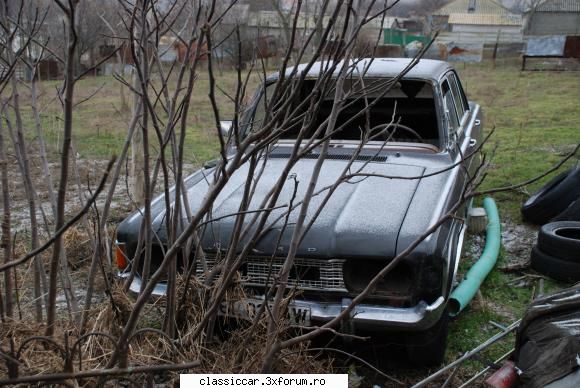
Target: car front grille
(306, 274)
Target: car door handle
(477, 122)
(472, 143)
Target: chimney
(471, 6)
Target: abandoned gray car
(427, 155)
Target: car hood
(362, 218)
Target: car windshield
(409, 106)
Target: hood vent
(364, 158)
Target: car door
(468, 132)
(459, 119)
(463, 124)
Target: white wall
(482, 34)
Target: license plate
(247, 308)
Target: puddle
(517, 242)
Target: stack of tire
(556, 206)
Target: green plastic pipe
(466, 290)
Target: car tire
(561, 240)
(553, 198)
(571, 213)
(427, 348)
(554, 267)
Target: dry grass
(36, 355)
(148, 346)
(79, 247)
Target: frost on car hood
(362, 218)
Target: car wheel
(553, 197)
(554, 267)
(561, 240)
(571, 213)
(427, 348)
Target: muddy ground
(83, 180)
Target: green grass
(100, 123)
(536, 122)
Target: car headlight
(429, 279)
(398, 283)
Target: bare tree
(198, 278)
(16, 132)
(529, 7)
(91, 31)
(67, 93)
(285, 17)
(522, 6)
(248, 149)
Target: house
(553, 17)
(552, 29)
(476, 21)
(171, 49)
(387, 30)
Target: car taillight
(120, 255)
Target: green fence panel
(401, 37)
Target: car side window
(449, 105)
(458, 95)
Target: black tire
(555, 268)
(553, 197)
(427, 348)
(561, 240)
(571, 213)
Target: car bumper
(375, 317)
(363, 316)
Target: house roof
(487, 20)
(264, 19)
(261, 5)
(271, 19)
(559, 6)
(387, 22)
(238, 14)
(487, 7)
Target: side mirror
(226, 127)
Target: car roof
(427, 69)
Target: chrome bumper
(364, 316)
(135, 287)
(419, 317)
